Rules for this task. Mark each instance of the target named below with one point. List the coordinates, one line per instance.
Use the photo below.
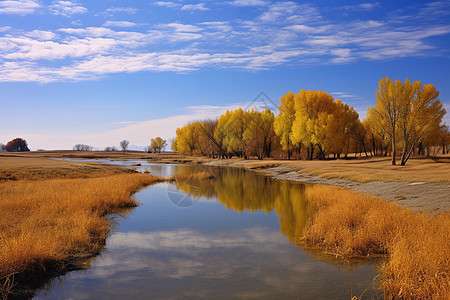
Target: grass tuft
(417, 247)
(193, 178)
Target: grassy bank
(47, 224)
(417, 246)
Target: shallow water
(231, 237)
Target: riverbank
(422, 185)
(55, 217)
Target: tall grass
(46, 223)
(417, 246)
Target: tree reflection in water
(241, 190)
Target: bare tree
(2, 147)
(124, 145)
(112, 148)
(82, 147)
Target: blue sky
(98, 72)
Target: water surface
(231, 237)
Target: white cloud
(67, 8)
(19, 7)
(167, 4)
(249, 3)
(362, 6)
(343, 55)
(182, 27)
(119, 24)
(308, 29)
(219, 25)
(200, 6)
(42, 35)
(127, 10)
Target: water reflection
(240, 190)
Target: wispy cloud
(67, 8)
(199, 6)
(19, 7)
(119, 24)
(278, 33)
(249, 3)
(126, 10)
(167, 4)
(362, 6)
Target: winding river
(230, 237)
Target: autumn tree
(17, 145)
(157, 144)
(124, 145)
(184, 141)
(259, 133)
(207, 143)
(229, 132)
(407, 112)
(220, 132)
(284, 121)
(311, 113)
(377, 139)
(444, 139)
(342, 124)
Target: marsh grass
(193, 178)
(47, 223)
(417, 247)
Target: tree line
(406, 119)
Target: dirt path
(419, 196)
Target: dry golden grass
(35, 168)
(374, 169)
(417, 245)
(46, 223)
(193, 178)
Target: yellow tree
(342, 124)
(220, 132)
(234, 133)
(421, 114)
(387, 109)
(311, 112)
(259, 133)
(157, 144)
(407, 112)
(184, 140)
(284, 120)
(376, 133)
(207, 143)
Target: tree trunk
(394, 151)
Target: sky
(98, 72)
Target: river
(230, 237)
